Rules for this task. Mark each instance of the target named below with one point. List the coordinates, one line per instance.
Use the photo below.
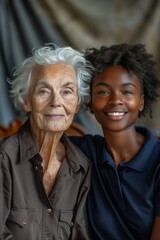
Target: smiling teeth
(115, 114)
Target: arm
(6, 235)
(5, 190)
(156, 229)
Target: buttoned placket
(48, 212)
(111, 177)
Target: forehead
(116, 74)
(53, 71)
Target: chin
(55, 130)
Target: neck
(123, 145)
(50, 147)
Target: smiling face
(116, 98)
(53, 98)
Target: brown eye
(127, 92)
(67, 92)
(43, 91)
(103, 92)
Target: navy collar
(142, 159)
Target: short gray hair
(51, 54)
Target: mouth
(116, 115)
(54, 116)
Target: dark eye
(43, 91)
(67, 91)
(103, 92)
(127, 92)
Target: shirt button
(71, 224)
(24, 221)
(49, 210)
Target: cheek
(71, 108)
(135, 105)
(97, 104)
(37, 106)
(71, 105)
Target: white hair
(51, 54)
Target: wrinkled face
(53, 97)
(116, 98)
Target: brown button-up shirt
(26, 212)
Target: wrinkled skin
(52, 104)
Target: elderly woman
(44, 178)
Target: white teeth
(115, 114)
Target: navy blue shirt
(123, 202)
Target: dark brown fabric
(25, 208)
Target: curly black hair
(135, 59)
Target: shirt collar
(27, 144)
(75, 158)
(142, 159)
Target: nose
(55, 100)
(116, 99)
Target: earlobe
(26, 106)
(77, 109)
(141, 108)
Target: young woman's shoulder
(88, 143)
(86, 139)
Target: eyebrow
(43, 82)
(69, 83)
(107, 85)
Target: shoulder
(9, 148)
(86, 140)
(18, 143)
(150, 139)
(88, 144)
(13, 141)
(150, 149)
(74, 154)
(9, 143)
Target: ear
(77, 109)
(26, 106)
(141, 106)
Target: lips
(54, 115)
(116, 113)
(115, 116)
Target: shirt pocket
(23, 224)
(65, 224)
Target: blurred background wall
(29, 24)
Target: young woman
(124, 200)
